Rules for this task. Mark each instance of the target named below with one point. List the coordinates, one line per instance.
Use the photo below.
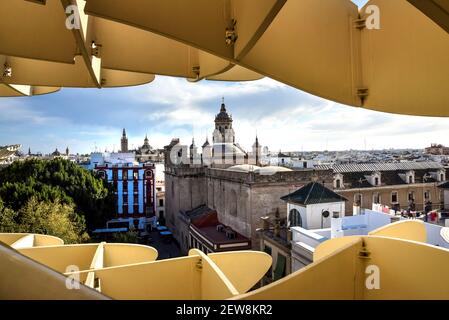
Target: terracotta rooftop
(207, 224)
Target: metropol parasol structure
(390, 56)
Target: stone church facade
(240, 193)
(240, 198)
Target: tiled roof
(371, 167)
(5, 153)
(313, 193)
(444, 185)
(283, 155)
(223, 116)
(388, 178)
(207, 224)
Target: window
(295, 218)
(394, 197)
(376, 181)
(410, 179)
(159, 189)
(442, 177)
(427, 195)
(161, 202)
(338, 183)
(358, 199)
(125, 175)
(376, 198)
(411, 196)
(305, 166)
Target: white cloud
(17, 111)
(284, 118)
(180, 92)
(308, 122)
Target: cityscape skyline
(159, 169)
(174, 108)
(86, 120)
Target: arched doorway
(295, 218)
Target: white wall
(311, 215)
(434, 236)
(359, 225)
(309, 237)
(446, 199)
(304, 243)
(314, 214)
(302, 211)
(299, 163)
(159, 176)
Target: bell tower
(223, 132)
(124, 142)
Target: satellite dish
(326, 214)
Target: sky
(284, 118)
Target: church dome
(244, 168)
(272, 170)
(223, 116)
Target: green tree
(8, 218)
(58, 180)
(52, 218)
(126, 237)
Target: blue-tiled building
(134, 182)
(135, 185)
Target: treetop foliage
(60, 183)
